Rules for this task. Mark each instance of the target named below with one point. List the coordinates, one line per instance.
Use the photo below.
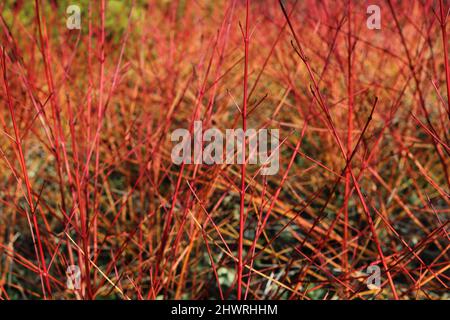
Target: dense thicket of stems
(87, 179)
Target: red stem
(243, 168)
(349, 137)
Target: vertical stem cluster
(21, 157)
